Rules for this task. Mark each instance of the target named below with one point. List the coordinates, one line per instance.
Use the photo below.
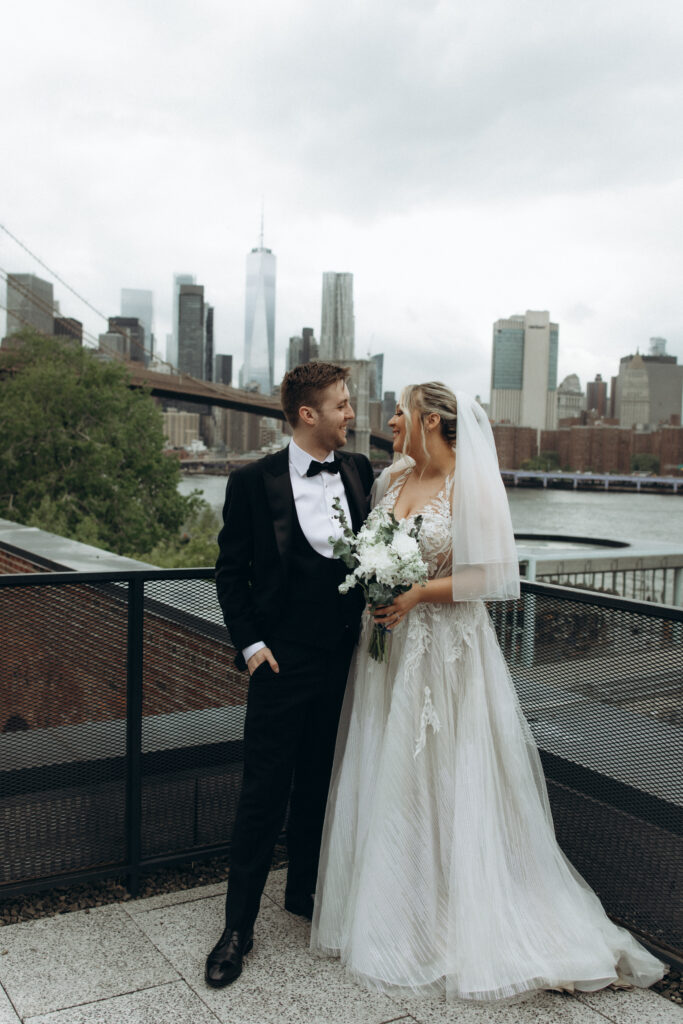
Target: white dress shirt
(313, 497)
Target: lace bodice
(435, 534)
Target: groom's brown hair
(303, 385)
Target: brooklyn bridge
(183, 387)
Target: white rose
(376, 561)
(405, 547)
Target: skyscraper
(337, 329)
(68, 327)
(130, 328)
(30, 303)
(649, 389)
(302, 348)
(172, 340)
(223, 369)
(191, 330)
(259, 320)
(114, 344)
(596, 395)
(139, 303)
(524, 371)
(570, 398)
(377, 379)
(208, 344)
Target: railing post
(678, 600)
(529, 627)
(678, 586)
(136, 595)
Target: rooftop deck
(142, 963)
(135, 764)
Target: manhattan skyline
(456, 189)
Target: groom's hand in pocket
(264, 654)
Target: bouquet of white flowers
(385, 561)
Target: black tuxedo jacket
(256, 539)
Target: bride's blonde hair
(425, 399)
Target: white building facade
(524, 371)
(337, 329)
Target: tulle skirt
(439, 868)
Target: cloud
(463, 161)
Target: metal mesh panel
(599, 681)
(193, 716)
(601, 687)
(62, 719)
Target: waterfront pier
(593, 481)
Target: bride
(439, 869)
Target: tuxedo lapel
(354, 491)
(281, 499)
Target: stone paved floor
(142, 963)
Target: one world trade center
(259, 321)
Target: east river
(612, 515)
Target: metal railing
(121, 719)
(662, 586)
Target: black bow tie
(322, 467)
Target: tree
(644, 462)
(546, 462)
(82, 453)
(195, 544)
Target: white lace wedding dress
(439, 868)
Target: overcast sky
(464, 160)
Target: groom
(278, 584)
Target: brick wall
(64, 659)
(514, 444)
(603, 449)
(670, 448)
(12, 564)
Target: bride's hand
(390, 615)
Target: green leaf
(82, 455)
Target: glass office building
(139, 303)
(259, 321)
(191, 330)
(524, 371)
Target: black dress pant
(289, 738)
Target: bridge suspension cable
(50, 271)
(45, 307)
(142, 349)
(35, 300)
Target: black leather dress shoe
(299, 903)
(224, 962)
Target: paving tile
(299, 990)
(7, 1014)
(191, 929)
(282, 980)
(76, 958)
(168, 899)
(633, 1006)
(542, 1008)
(175, 1002)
